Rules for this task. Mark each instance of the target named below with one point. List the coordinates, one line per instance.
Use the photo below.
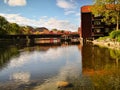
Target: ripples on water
(40, 67)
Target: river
(40, 67)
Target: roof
(85, 8)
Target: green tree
(3, 25)
(26, 29)
(62, 31)
(109, 9)
(54, 29)
(13, 28)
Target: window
(97, 30)
(106, 30)
(97, 22)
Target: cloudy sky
(60, 14)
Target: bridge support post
(32, 41)
(28, 40)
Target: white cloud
(69, 12)
(77, 14)
(15, 2)
(65, 4)
(49, 23)
(5, 1)
(69, 6)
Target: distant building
(93, 27)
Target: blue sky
(60, 14)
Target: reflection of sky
(57, 63)
(72, 70)
(23, 77)
(25, 57)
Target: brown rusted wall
(86, 25)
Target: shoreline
(107, 43)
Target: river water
(40, 67)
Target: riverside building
(92, 27)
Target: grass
(103, 38)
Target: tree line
(13, 28)
(9, 28)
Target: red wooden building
(92, 27)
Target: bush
(115, 34)
(103, 38)
(118, 38)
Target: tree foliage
(14, 28)
(26, 29)
(54, 29)
(115, 35)
(109, 9)
(10, 28)
(3, 25)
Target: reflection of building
(93, 60)
(93, 26)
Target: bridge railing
(32, 36)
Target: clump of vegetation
(104, 38)
(115, 35)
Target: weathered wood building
(93, 27)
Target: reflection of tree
(110, 80)
(37, 48)
(42, 48)
(99, 66)
(5, 54)
(46, 46)
(115, 54)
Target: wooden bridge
(33, 36)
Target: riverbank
(107, 43)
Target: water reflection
(50, 55)
(6, 53)
(23, 77)
(40, 67)
(69, 72)
(99, 64)
(115, 54)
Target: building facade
(93, 27)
